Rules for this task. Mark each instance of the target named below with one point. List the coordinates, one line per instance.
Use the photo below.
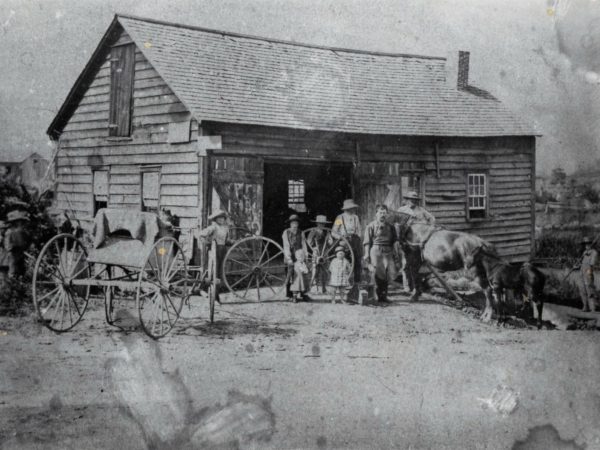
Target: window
(100, 190)
(122, 66)
(296, 195)
(150, 190)
(476, 195)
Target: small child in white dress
(301, 281)
(340, 271)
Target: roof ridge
(277, 41)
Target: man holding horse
(411, 257)
(378, 244)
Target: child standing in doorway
(340, 271)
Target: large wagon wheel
(321, 251)
(253, 269)
(162, 287)
(212, 276)
(59, 304)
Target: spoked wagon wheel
(321, 251)
(162, 287)
(212, 287)
(253, 269)
(59, 303)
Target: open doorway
(306, 189)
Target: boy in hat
(379, 241)
(16, 242)
(589, 261)
(347, 225)
(300, 281)
(340, 271)
(319, 240)
(293, 240)
(218, 231)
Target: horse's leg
(482, 281)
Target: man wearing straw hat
(347, 225)
(16, 242)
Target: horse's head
(401, 223)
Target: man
(16, 242)
(218, 231)
(320, 241)
(347, 225)
(411, 257)
(378, 244)
(589, 261)
(293, 240)
(418, 213)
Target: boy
(340, 272)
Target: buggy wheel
(109, 295)
(162, 288)
(253, 269)
(321, 251)
(212, 295)
(213, 286)
(59, 304)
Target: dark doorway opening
(306, 189)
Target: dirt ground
(307, 375)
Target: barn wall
(509, 163)
(85, 145)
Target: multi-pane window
(122, 67)
(100, 190)
(296, 195)
(150, 190)
(476, 195)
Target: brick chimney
(462, 80)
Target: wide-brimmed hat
(412, 195)
(13, 216)
(218, 213)
(349, 204)
(586, 240)
(339, 248)
(321, 219)
(293, 218)
(3, 224)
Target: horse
(444, 250)
(523, 279)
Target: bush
(563, 246)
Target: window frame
(114, 113)
(486, 196)
(93, 193)
(150, 169)
(296, 183)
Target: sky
(539, 57)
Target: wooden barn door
(237, 187)
(383, 183)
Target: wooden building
(189, 119)
(29, 171)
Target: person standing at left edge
(293, 240)
(16, 242)
(379, 241)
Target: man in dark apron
(293, 240)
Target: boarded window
(476, 195)
(122, 66)
(296, 195)
(150, 190)
(100, 190)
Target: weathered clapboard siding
(85, 144)
(507, 162)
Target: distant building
(29, 171)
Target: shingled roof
(226, 77)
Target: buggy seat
(124, 238)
